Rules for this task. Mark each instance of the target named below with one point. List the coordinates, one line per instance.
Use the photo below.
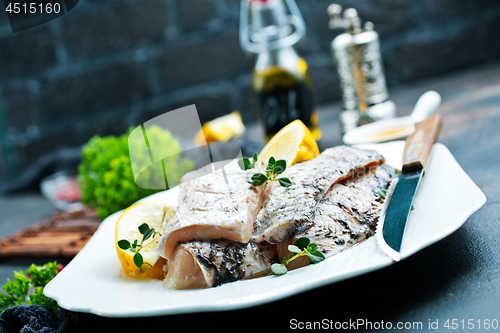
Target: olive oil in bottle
(280, 78)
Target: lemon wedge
(127, 227)
(293, 143)
(221, 129)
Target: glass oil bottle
(280, 79)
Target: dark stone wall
(110, 64)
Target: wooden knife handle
(419, 144)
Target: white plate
(94, 282)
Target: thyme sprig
(147, 233)
(301, 247)
(273, 169)
(246, 164)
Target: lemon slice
(293, 143)
(221, 129)
(127, 227)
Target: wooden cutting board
(62, 236)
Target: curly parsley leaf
(16, 290)
(106, 178)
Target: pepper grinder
(356, 54)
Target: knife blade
(392, 223)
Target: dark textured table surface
(456, 278)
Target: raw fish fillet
(209, 208)
(289, 210)
(201, 264)
(347, 215)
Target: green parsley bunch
(105, 174)
(36, 278)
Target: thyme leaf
(246, 164)
(301, 247)
(146, 232)
(273, 169)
